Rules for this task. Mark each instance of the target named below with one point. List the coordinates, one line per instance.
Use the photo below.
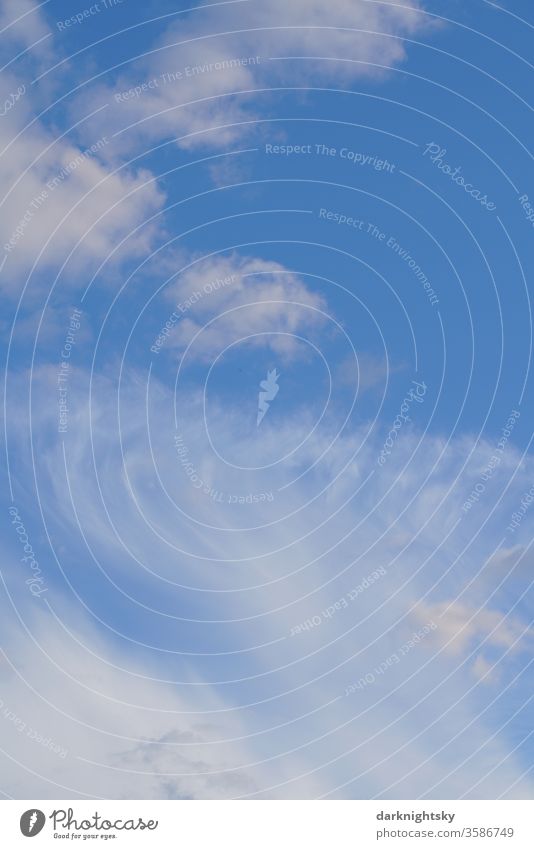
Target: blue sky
(333, 603)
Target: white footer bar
(269, 824)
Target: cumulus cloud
(372, 372)
(238, 297)
(61, 194)
(206, 75)
(23, 23)
(58, 198)
(462, 626)
(485, 671)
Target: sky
(266, 329)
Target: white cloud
(56, 195)
(373, 371)
(365, 32)
(486, 672)
(193, 63)
(112, 731)
(462, 626)
(419, 720)
(238, 296)
(22, 22)
(200, 82)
